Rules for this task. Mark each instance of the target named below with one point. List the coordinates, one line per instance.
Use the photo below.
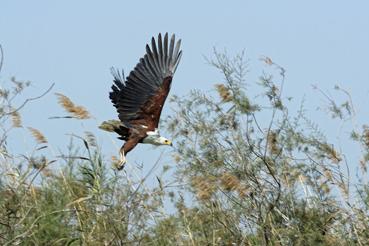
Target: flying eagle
(140, 98)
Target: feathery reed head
(78, 112)
(39, 137)
(16, 119)
(224, 92)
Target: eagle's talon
(120, 165)
(122, 160)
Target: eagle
(139, 99)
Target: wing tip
(169, 53)
(118, 76)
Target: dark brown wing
(140, 98)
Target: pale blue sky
(74, 44)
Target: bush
(248, 173)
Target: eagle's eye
(167, 142)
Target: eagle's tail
(115, 126)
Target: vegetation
(248, 172)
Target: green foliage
(279, 180)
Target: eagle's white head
(153, 137)
(162, 141)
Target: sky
(74, 43)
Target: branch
(1, 57)
(62, 117)
(30, 99)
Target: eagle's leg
(122, 160)
(127, 147)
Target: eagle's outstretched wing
(140, 98)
